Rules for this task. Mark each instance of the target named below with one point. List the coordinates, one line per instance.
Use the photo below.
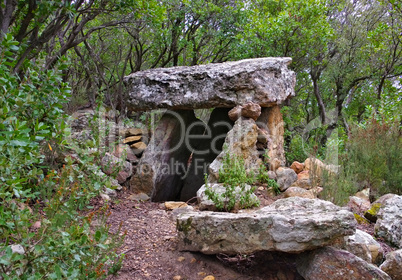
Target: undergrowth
(48, 230)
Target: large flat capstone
(291, 225)
(265, 81)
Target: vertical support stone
(272, 121)
(241, 142)
(207, 147)
(163, 165)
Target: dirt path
(151, 253)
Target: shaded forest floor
(150, 249)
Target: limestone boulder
(125, 152)
(299, 192)
(364, 246)
(235, 113)
(204, 203)
(263, 136)
(389, 221)
(171, 205)
(318, 169)
(290, 225)
(111, 164)
(264, 81)
(297, 167)
(285, 177)
(364, 194)
(304, 175)
(240, 142)
(329, 263)
(358, 205)
(393, 264)
(251, 110)
(371, 214)
(132, 131)
(304, 184)
(271, 120)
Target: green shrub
(296, 150)
(263, 178)
(371, 160)
(232, 175)
(44, 208)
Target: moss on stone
(360, 220)
(371, 214)
(184, 226)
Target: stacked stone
(136, 138)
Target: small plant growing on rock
(236, 181)
(263, 178)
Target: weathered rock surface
(357, 205)
(329, 263)
(127, 132)
(171, 205)
(389, 221)
(288, 225)
(364, 246)
(299, 192)
(251, 110)
(240, 142)
(371, 214)
(393, 264)
(297, 167)
(132, 139)
(271, 120)
(285, 177)
(364, 194)
(111, 164)
(264, 81)
(124, 151)
(204, 203)
(138, 147)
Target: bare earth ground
(151, 249)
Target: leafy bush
(263, 178)
(233, 175)
(44, 211)
(295, 151)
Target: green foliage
(235, 179)
(371, 160)
(44, 208)
(30, 113)
(296, 150)
(263, 178)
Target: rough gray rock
(240, 141)
(285, 177)
(299, 192)
(389, 221)
(271, 120)
(264, 81)
(111, 164)
(364, 246)
(290, 225)
(329, 263)
(393, 264)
